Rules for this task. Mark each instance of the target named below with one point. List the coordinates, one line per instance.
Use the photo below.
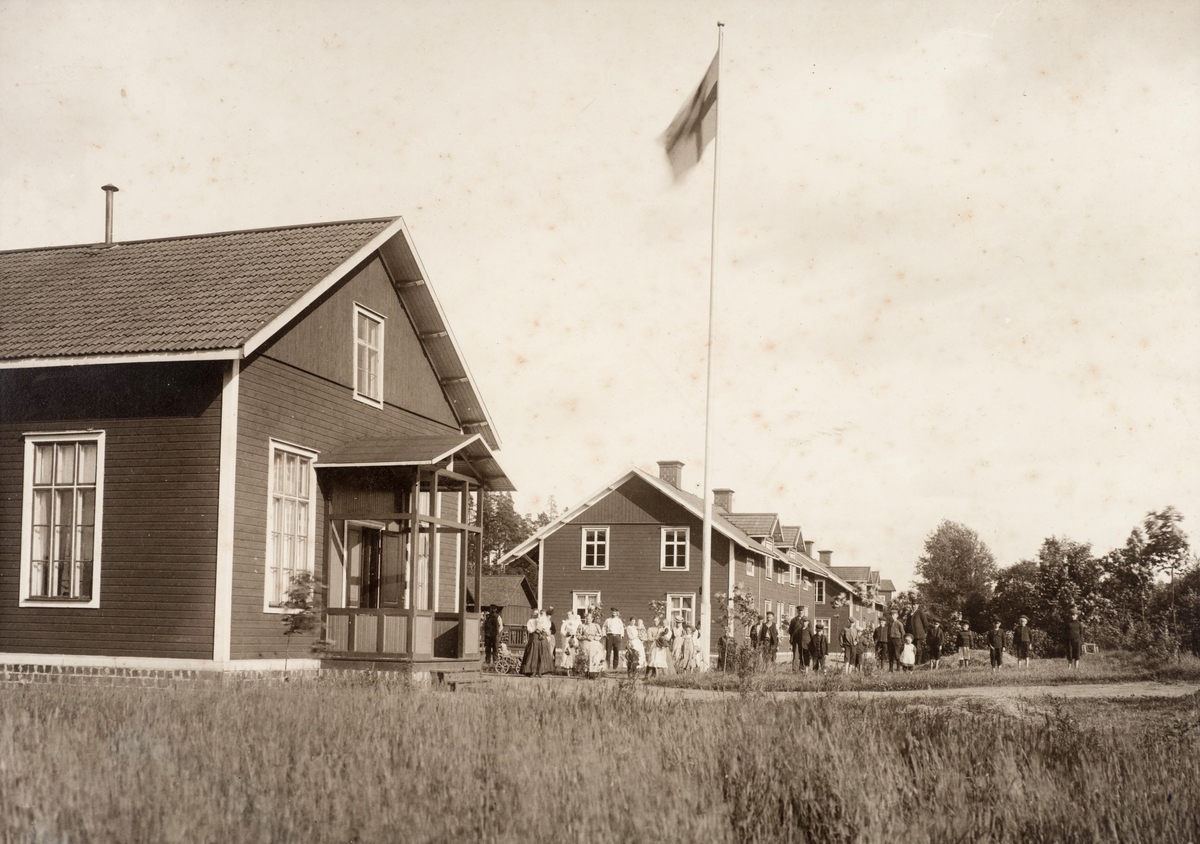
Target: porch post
(414, 504)
(460, 569)
(479, 550)
(435, 544)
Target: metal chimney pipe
(109, 190)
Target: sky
(958, 243)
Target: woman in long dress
(660, 652)
(636, 658)
(593, 647)
(533, 648)
(570, 647)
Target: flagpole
(706, 540)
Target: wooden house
(638, 540)
(188, 424)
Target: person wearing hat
(819, 648)
(1023, 640)
(935, 641)
(918, 626)
(995, 643)
(493, 627)
(895, 641)
(614, 629)
(1074, 640)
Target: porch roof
(422, 451)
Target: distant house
(638, 540)
(187, 424)
(515, 598)
(886, 590)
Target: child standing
(908, 654)
(936, 639)
(819, 648)
(965, 641)
(995, 641)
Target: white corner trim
(322, 287)
(541, 572)
(226, 495)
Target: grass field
(317, 760)
(1115, 667)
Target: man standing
(795, 635)
(769, 640)
(995, 643)
(614, 628)
(881, 641)
(1023, 640)
(1074, 640)
(895, 641)
(493, 626)
(918, 626)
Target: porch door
(392, 580)
(363, 567)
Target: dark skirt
(538, 658)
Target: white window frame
(819, 585)
(310, 455)
(25, 578)
(768, 607)
(749, 565)
(583, 547)
(587, 601)
(687, 548)
(689, 616)
(381, 321)
(794, 575)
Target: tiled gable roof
(854, 574)
(886, 586)
(754, 524)
(200, 293)
(790, 536)
(504, 590)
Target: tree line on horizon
(1144, 595)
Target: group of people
(589, 647)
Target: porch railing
(394, 634)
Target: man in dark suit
(918, 626)
(797, 628)
(881, 641)
(895, 640)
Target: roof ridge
(202, 235)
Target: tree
(302, 610)
(503, 527)
(956, 572)
(1015, 586)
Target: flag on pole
(695, 124)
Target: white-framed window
(584, 600)
(768, 607)
(791, 611)
(794, 576)
(681, 606)
(593, 551)
(291, 519)
(368, 356)
(62, 508)
(749, 566)
(674, 549)
(820, 587)
(770, 568)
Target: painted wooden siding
(158, 554)
(322, 342)
(634, 515)
(278, 400)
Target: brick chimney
(723, 498)
(826, 558)
(808, 545)
(671, 471)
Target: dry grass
(1113, 667)
(316, 761)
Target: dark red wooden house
(187, 424)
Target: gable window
(820, 587)
(595, 548)
(62, 504)
(674, 549)
(368, 356)
(681, 608)
(290, 519)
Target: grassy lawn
(320, 760)
(1115, 667)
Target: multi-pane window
(770, 568)
(595, 548)
(749, 566)
(290, 528)
(64, 480)
(675, 548)
(368, 355)
(767, 608)
(820, 587)
(584, 601)
(681, 608)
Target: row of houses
(636, 546)
(188, 424)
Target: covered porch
(404, 551)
